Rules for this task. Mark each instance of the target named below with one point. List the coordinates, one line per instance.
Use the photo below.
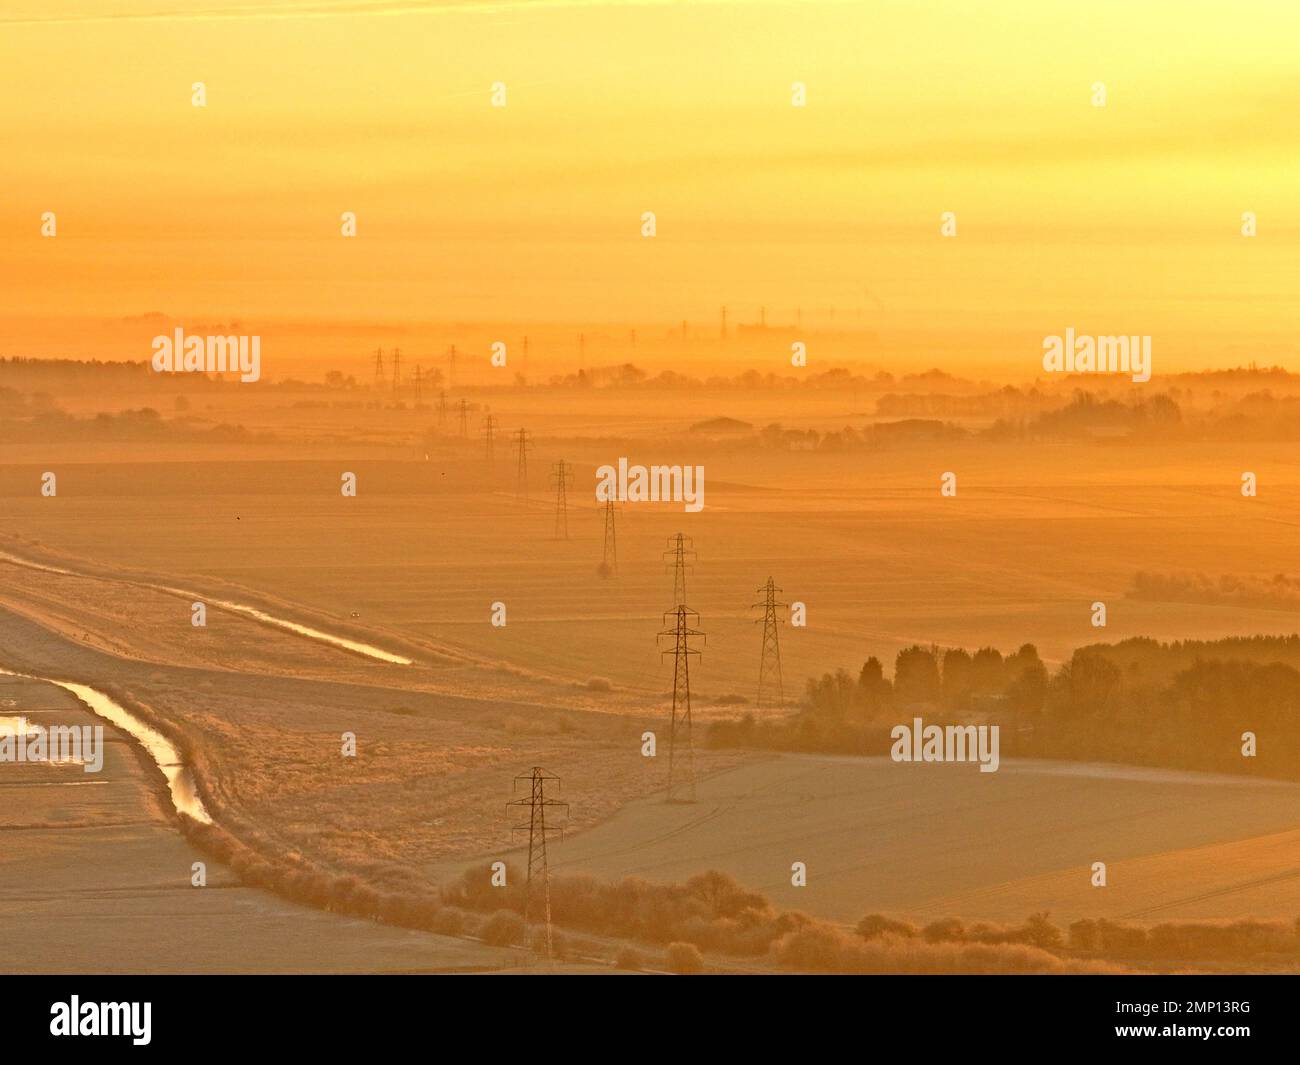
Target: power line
(679, 551)
(609, 563)
(679, 626)
(562, 477)
(489, 425)
(769, 665)
(537, 830)
(523, 444)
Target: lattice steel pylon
(442, 410)
(522, 444)
(680, 552)
(609, 563)
(679, 627)
(769, 665)
(464, 419)
(489, 440)
(379, 368)
(562, 477)
(537, 829)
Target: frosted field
(936, 840)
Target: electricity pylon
(769, 665)
(379, 368)
(523, 444)
(562, 475)
(537, 829)
(451, 367)
(679, 550)
(418, 382)
(464, 419)
(489, 425)
(609, 565)
(442, 410)
(397, 369)
(679, 627)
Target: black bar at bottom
(339, 1014)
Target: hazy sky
(1124, 218)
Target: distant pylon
(679, 627)
(417, 382)
(609, 565)
(489, 424)
(522, 443)
(769, 665)
(451, 367)
(464, 419)
(442, 409)
(562, 475)
(677, 555)
(539, 874)
(397, 369)
(379, 367)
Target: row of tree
(1230, 705)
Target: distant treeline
(1181, 705)
(1255, 416)
(629, 375)
(1278, 592)
(43, 425)
(73, 376)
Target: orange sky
(1117, 219)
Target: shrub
(875, 925)
(684, 959)
(448, 922)
(948, 930)
(503, 929)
